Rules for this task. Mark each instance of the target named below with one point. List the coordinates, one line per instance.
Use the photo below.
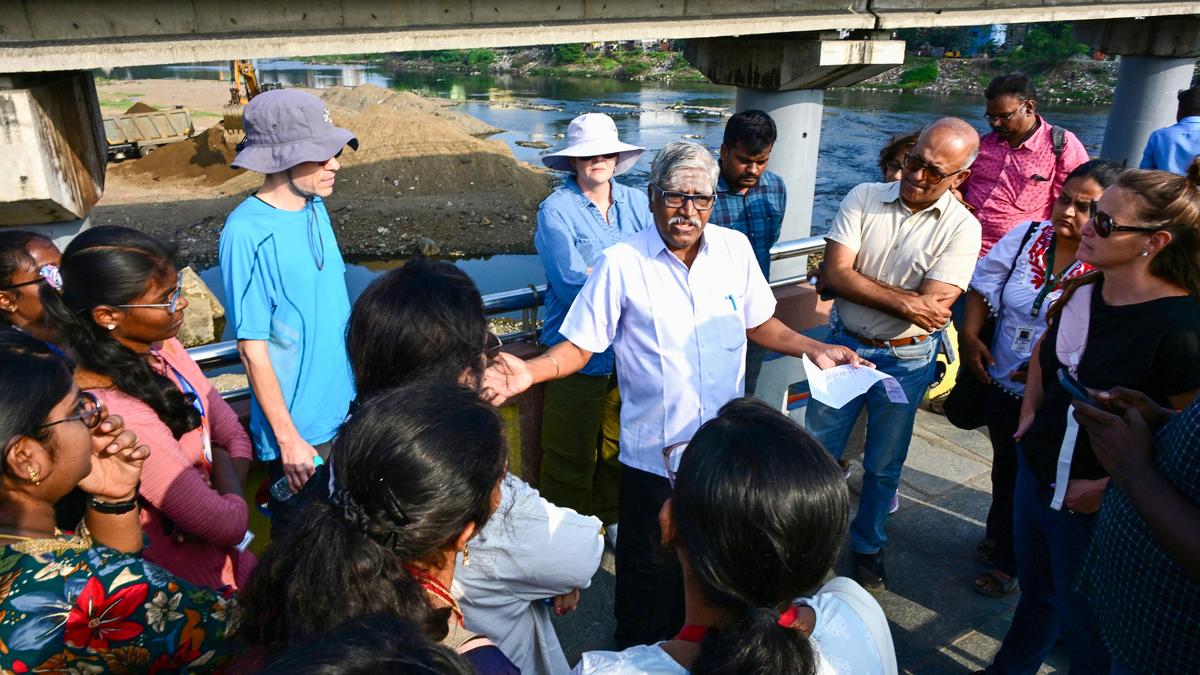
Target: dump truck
(138, 134)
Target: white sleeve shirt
(679, 334)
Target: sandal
(995, 584)
(985, 551)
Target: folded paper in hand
(835, 387)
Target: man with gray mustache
(677, 302)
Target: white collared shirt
(679, 334)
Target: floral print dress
(67, 606)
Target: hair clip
(50, 274)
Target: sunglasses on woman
(88, 411)
(1104, 225)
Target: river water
(856, 124)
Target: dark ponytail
(760, 510)
(755, 642)
(413, 467)
(112, 266)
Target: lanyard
(1052, 282)
(197, 403)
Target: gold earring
(466, 555)
(33, 475)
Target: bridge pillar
(785, 75)
(1158, 58)
(52, 151)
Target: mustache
(694, 221)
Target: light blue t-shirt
(571, 233)
(275, 292)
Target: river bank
(1072, 81)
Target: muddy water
(650, 114)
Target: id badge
(1022, 344)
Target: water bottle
(281, 491)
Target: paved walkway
(939, 624)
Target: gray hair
(679, 157)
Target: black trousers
(1002, 411)
(649, 596)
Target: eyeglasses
(87, 411)
(676, 200)
(1104, 225)
(170, 306)
(492, 345)
(672, 455)
(913, 164)
(611, 155)
(1002, 117)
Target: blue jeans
(889, 430)
(1050, 547)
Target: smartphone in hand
(1074, 388)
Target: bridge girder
(36, 35)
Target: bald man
(898, 256)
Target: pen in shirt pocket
(732, 301)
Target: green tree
(568, 53)
(1045, 46)
(480, 57)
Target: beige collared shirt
(900, 248)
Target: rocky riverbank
(1073, 81)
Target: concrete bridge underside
(41, 35)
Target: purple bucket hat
(285, 127)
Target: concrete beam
(897, 14)
(793, 61)
(52, 147)
(36, 35)
(1172, 37)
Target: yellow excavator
(243, 86)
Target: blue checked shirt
(1147, 606)
(570, 235)
(758, 214)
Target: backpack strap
(1058, 138)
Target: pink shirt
(1010, 186)
(176, 480)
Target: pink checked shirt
(1009, 186)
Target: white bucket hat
(589, 135)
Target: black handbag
(964, 405)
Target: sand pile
(203, 159)
(358, 99)
(419, 176)
(405, 152)
(140, 107)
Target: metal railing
(525, 300)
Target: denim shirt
(571, 233)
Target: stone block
(204, 318)
(53, 147)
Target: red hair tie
(788, 618)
